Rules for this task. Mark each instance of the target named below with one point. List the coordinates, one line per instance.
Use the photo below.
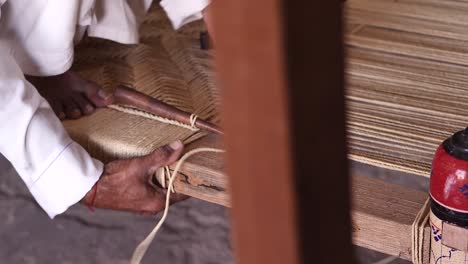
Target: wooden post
(282, 91)
(314, 46)
(249, 57)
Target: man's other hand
(71, 96)
(127, 184)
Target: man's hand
(71, 96)
(127, 184)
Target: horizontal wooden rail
(382, 213)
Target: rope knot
(193, 121)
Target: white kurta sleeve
(181, 12)
(39, 34)
(118, 20)
(57, 171)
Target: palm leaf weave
(406, 82)
(167, 65)
(407, 76)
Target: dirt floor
(195, 232)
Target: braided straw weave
(407, 79)
(167, 65)
(406, 75)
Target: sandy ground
(195, 232)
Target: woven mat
(407, 79)
(167, 65)
(407, 76)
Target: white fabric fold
(118, 20)
(37, 38)
(181, 12)
(57, 171)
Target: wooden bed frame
(285, 133)
(280, 64)
(382, 213)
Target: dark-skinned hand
(128, 184)
(71, 96)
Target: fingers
(84, 105)
(165, 155)
(98, 96)
(58, 109)
(162, 156)
(145, 167)
(127, 181)
(71, 109)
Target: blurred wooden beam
(283, 89)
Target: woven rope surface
(406, 72)
(167, 65)
(407, 76)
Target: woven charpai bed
(406, 91)
(406, 82)
(167, 65)
(407, 79)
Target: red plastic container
(449, 180)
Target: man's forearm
(57, 171)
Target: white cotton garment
(37, 38)
(57, 171)
(181, 12)
(40, 34)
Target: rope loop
(140, 251)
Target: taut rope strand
(193, 120)
(417, 233)
(143, 246)
(133, 111)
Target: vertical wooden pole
(279, 182)
(314, 46)
(249, 56)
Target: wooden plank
(250, 63)
(313, 40)
(261, 133)
(382, 216)
(382, 213)
(202, 175)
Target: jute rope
(137, 112)
(417, 233)
(193, 120)
(163, 176)
(140, 251)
